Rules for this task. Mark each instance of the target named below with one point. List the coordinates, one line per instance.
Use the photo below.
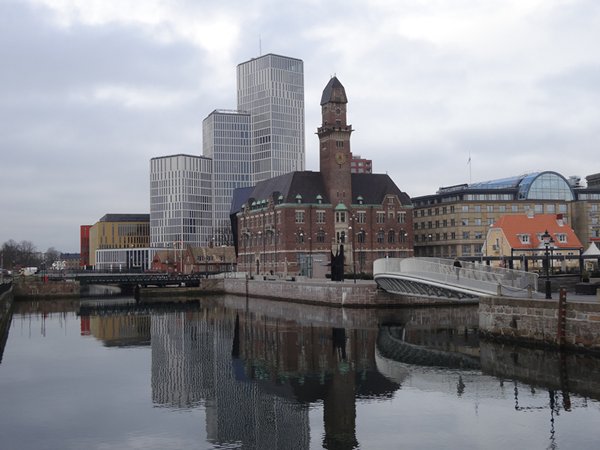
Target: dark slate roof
(327, 96)
(240, 196)
(373, 187)
(307, 184)
(125, 218)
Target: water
(225, 372)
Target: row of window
(451, 209)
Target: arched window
(391, 237)
(380, 237)
(320, 236)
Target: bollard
(561, 324)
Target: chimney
(559, 220)
(530, 213)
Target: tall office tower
(180, 201)
(271, 89)
(226, 139)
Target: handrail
(471, 276)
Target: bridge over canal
(437, 277)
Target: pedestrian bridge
(437, 277)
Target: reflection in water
(258, 368)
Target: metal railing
(471, 276)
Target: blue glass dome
(545, 186)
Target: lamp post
(547, 240)
(351, 228)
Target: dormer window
(524, 238)
(298, 198)
(561, 237)
(319, 199)
(360, 199)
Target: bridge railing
(471, 276)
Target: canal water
(227, 372)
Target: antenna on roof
(469, 164)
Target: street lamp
(548, 241)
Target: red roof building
(515, 235)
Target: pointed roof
(514, 226)
(334, 92)
(592, 250)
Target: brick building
(293, 223)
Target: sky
(90, 90)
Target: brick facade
(291, 224)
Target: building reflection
(256, 368)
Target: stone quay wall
(537, 322)
(327, 293)
(36, 288)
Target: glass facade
(545, 186)
(226, 140)
(271, 89)
(180, 201)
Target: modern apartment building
(361, 165)
(455, 220)
(271, 89)
(181, 198)
(118, 231)
(226, 140)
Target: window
(524, 238)
(539, 209)
(320, 216)
(340, 217)
(402, 217)
(360, 237)
(299, 216)
(391, 237)
(380, 237)
(465, 208)
(320, 236)
(466, 249)
(380, 217)
(465, 222)
(550, 209)
(490, 208)
(561, 237)
(465, 235)
(361, 217)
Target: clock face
(340, 158)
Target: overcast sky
(90, 90)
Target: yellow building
(114, 231)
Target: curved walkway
(436, 277)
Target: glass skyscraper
(180, 201)
(271, 89)
(226, 140)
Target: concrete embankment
(347, 294)
(6, 300)
(37, 288)
(540, 322)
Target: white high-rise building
(271, 89)
(180, 201)
(226, 139)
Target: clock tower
(334, 144)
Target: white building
(271, 89)
(181, 198)
(226, 139)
